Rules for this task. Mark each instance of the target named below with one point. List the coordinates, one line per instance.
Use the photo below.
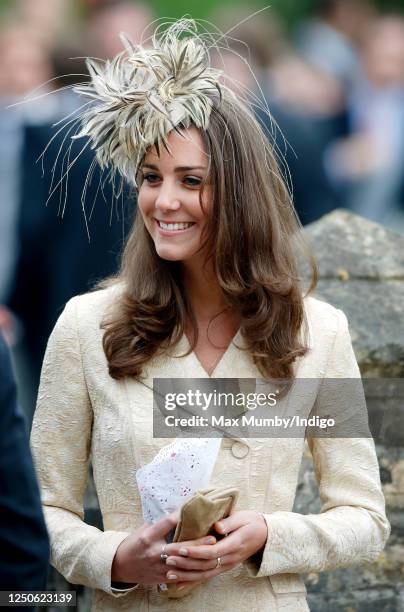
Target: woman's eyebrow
(178, 168)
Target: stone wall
(362, 272)
(361, 268)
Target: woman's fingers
(184, 563)
(177, 575)
(226, 546)
(181, 548)
(235, 521)
(205, 540)
(158, 530)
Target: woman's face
(169, 196)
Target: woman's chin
(169, 254)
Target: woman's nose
(167, 198)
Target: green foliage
(178, 8)
(386, 6)
(4, 5)
(289, 10)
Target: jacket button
(239, 450)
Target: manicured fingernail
(170, 562)
(184, 552)
(172, 576)
(211, 541)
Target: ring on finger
(163, 554)
(218, 563)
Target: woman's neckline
(222, 358)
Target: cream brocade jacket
(83, 413)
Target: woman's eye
(151, 178)
(192, 181)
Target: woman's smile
(173, 228)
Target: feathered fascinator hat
(144, 93)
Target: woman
(208, 288)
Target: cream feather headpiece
(144, 93)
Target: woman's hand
(137, 559)
(246, 534)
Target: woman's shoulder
(90, 309)
(317, 308)
(323, 319)
(331, 353)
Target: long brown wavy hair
(255, 242)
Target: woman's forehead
(186, 148)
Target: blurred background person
(47, 17)
(58, 245)
(26, 71)
(107, 18)
(24, 542)
(368, 165)
(328, 40)
(24, 66)
(299, 98)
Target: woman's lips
(173, 228)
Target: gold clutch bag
(197, 517)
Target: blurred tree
(289, 10)
(390, 5)
(4, 4)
